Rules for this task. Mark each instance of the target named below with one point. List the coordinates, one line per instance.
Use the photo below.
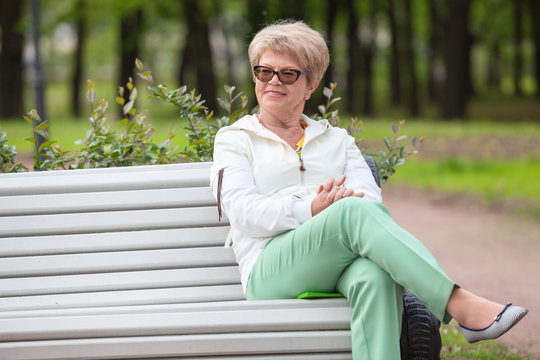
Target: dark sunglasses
(286, 76)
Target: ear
(312, 89)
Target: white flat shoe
(503, 322)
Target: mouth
(274, 93)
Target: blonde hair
(296, 39)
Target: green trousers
(356, 248)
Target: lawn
(456, 347)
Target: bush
(134, 146)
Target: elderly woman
(306, 213)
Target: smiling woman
(306, 213)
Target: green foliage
(103, 147)
(387, 160)
(7, 157)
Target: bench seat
(129, 263)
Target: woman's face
(274, 96)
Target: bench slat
(105, 201)
(304, 343)
(120, 281)
(124, 298)
(115, 241)
(116, 261)
(108, 221)
(237, 305)
(61, 182)
(268, 319)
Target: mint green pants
(356, 248)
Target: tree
(197, 53)
(409, 59)
(354, 56)
(534, 11)
(131, 24)
(368, 53)
(395, 78)
(457, 60)
(77, 74)
(434, 54)
(11, 61)
(518, 44)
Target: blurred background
(463, 73)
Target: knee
(363, 275)
(353, 204)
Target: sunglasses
(286, 76)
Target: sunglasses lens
(264, 74)
(288, 76)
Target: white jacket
(264, 192)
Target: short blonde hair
(296, 39)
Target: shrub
(134, 146)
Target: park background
(464, 74)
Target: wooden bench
(129, 263)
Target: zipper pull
(302, 168)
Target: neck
(290, 130)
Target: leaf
(90, 85)
(402, 137)
(45, 145)
(127, 107)
(395, 129)
(415, 141)
(133, 94)
(120, 100)
(321, 109)
(327, 92)
(91, 96)
(138, 64)
(387, 142)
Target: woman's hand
(329, 193)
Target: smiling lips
(273, 93)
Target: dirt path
(496, 255)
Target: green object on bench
(318, 295)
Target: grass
(494, 179)
(456, 347)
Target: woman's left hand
(331, 192)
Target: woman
(306, 213)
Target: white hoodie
(264, 192)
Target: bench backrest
(113, 237)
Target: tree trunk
(11, 61)
(331, 15)
(535, 22)
(518, 44)
(434, 55)
(197, 54)
(76, 79)
(354, 73)
(457, 60)
(409, 54)
(494, 67)
(368, 52)
(395, 78)
(130, 34)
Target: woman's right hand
(329, 193)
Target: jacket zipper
(301, 168)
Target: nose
(275, 79)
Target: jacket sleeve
(359, 176)
(254, 214)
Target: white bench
(129, 263)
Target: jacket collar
(251, 124)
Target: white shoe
(503, 322)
